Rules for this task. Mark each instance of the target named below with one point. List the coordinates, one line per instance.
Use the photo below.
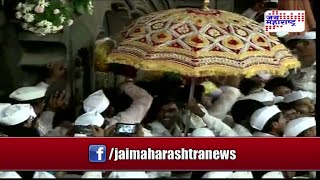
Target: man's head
(276, 124)
(268, 119)
(257, 5)
(33, 95)
(249, 86)
(242, 110)
(304, 47)
(279, 86)
(288, 111)
(301, 127)
(299, 101)
(56, 70)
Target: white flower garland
(31, 14)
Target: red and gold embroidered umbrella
(198, 43)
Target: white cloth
(262, 134)
(9, 175)
(264, 75)
(264, 96)
(157, 129)
(43, 175)
(282, 34)
(128, 174)
(202, 132)
(142, 101)
(216, 125)
(146, 132)
(92, 174)
(195, 121)
(90, 118)
(42, 84)
(297, 126)
(278, 99)
(241, 130)
(307, 36)
(224, 103)
(4, 106)
(273, 175)
(37, 175)
(250, 13)
(28, 93)
(45, 122)
(241, 175)
(159, 174)
(261, 116)
(217, 174)
(96, 101)
(294, 96)
(16, 114)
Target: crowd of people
(262, 106)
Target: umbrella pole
(191, 94)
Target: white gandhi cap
(90, 118)
(264, 96)
(96, 102)
(273, 175)
(294, 96)
(16, 114)
(28, 93)
(217, 174)
(261, 116)
(297, 126)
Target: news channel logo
(284, 21)
(97, 153)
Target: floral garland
(45, 17)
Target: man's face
(281, 91)
(168, 114)
(57, 69)
(306, 52)
(281, 124)
(311, 132)
(290, 114)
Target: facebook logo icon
(97, 153)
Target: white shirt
(241, 130)
(142, 101)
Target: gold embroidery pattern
(199, 43)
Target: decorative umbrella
(201, 42)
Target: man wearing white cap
(301, 102)
(98, 102)
(305, 48)
(35, 95)
(241, 113)
(301, 127)
(18, 120)
(32, 95)
(17, 114)
(268, 121)
(265, 97)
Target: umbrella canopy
(197, 43)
